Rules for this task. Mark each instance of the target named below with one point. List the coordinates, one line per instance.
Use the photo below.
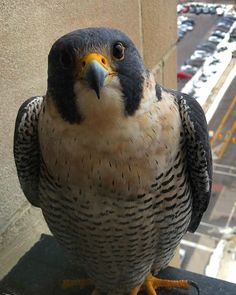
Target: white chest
(111, 154)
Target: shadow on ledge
(41, 271)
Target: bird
(120, 166)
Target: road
(220, 216)
(204, 25)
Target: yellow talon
(135, 290)
(82, 283)
(152, 283)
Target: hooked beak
(95, 70)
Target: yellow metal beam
(227, 139)
(223, 121)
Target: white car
(199, 54)
(214, 39)
(220, 33)
(220, 11)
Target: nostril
(83, 64)
(103, 61)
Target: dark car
(218, 34)
(189, 21)
(222, 28)
(228, 20)
(195, 62)
(212, 10)
(208, 47)
(199, 9)
(192, 8)
(230, 17)
(207, 44)
(224, 24)
(180, 35)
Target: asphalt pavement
(204, 24)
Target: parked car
(223, 28)
(199, 9)
(206, 9)
(228, 19)
(218, 34)
(184, 75)
(224, 24)
(215, 39)
(185, 9)
(189, 69)
(195, 62)
(183, 28)
(212, 10)
(192, 9)
(180, 35)
(219, 10)
(179, 8)
(200, 53)
(208, 47)
(230, 16)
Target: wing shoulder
(26, 148)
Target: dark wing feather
(199, 158)
(26, 148)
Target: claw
(82, 283)
(152, 283)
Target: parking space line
(223, 121)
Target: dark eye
(66, 59)
(118, 50)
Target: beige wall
(28, 29)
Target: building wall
(28, 30)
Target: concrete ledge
(42, 269)
(22, 232)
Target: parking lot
(202, 37)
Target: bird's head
(95, 69)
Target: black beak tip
(97, 92)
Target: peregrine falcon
(120, 166)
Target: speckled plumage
(118, 191)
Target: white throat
(110, 105)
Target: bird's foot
(81, 283)
(152, 283)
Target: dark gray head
(95, 60)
